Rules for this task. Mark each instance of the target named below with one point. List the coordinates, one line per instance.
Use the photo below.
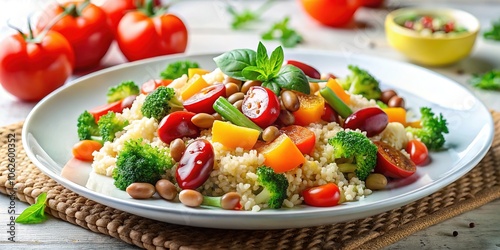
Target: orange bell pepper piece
(282, 154)
(311, 109)
(396, 114)
(194, 85)
(233, 136)
(334, 85)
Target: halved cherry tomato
(326, 195)
(333, 13)
(261, 105)
(83, 150)
(302, 137)
(330, 115)
(196, 164)
(373, 120)
(203, 101)
(99, 111)
(307, 69)
(153, 84)
(392, 163)
(177, 125)
(418, 151)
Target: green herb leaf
(282, 32)
(262, 57)
(35, 213)
(494, 32)
(276, 61)
(292, 78)
(177, 69)
(253, 73)
(233, 62)
(273, 86)
(246, 16)
(489, 80)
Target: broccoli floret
(274, 187)
(109, 124)
(140, 162)
(355, 146)
(122, 90)
(87, 127)
(432, 129)
(177, 69)
(360, 82)
(160, 102)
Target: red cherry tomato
(372, 120)
(143, 34)
(334, 13)
(177, 125)
(195, 165)
(418, 151)
(153, 84)
(261, 105)
(326, 195)
(30, 70)
(392, 163)
(302, 137)
(86, 29)
(99, 111)
(203, 101)
(307, 69)
(330, 115)
(427, 22)
(116, 9)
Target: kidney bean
(177, 148)
(166, 189)
(371, 119)
(140, 190)
(191, 198)
(195, 165)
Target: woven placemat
(480, 186)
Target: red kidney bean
(372, 120)
(195, 165)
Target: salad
(431, 25)
(256, 133)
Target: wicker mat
(480, 186)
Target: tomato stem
(149, 8)
(16, 29)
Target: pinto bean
(191, 198)
(140, 190)
(166, 189)
(203, 120)
(290, 101)
(177, 148)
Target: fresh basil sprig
(35, 213)
(281, 31)
(246, 64)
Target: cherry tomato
(31, 69)
(116, 9)
(203, 101)
(143, 34)
(418, 151)
(177, 125)
(333, 13)
(101, 110)
(330, 115)
(427, 22)
(302, 137)
(196, 164)
(372, 120)
(307, 69)
(83, 150)
(86, 28)
(392, 163)
(153, 84)
(326, 195)
(261, 105)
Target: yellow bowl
(432, 50)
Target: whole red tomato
(116, 9)
(145, 33)
(31, 68)
(86, 28)
(335, 13)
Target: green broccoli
(109, 124)
(160, 102)
(87, 127)
(274, 187)
(432, 129)
(122, 90)
(177, 69)
(140, 162)
(360, 82)
(355, 146)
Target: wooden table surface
(208, 24)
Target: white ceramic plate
(50, 132)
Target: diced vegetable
(392, 163)
(274, 186)
(335, 102)
(101, 110)
(276, 151)
(261, 105)
(327, 195)
(194, 85)
(396, 114)
(232, 114)
(176, 69)
(233, 136)
(153, 84)
(334, 85)
(83, 150)
(303, 138)
(311, 109)
(196, 71)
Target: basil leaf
(253, 73)
(273, 86)
(276, 61)
(35, 213)
(262, 57)
(233, 62)
(292, 78)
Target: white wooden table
(209, 32)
